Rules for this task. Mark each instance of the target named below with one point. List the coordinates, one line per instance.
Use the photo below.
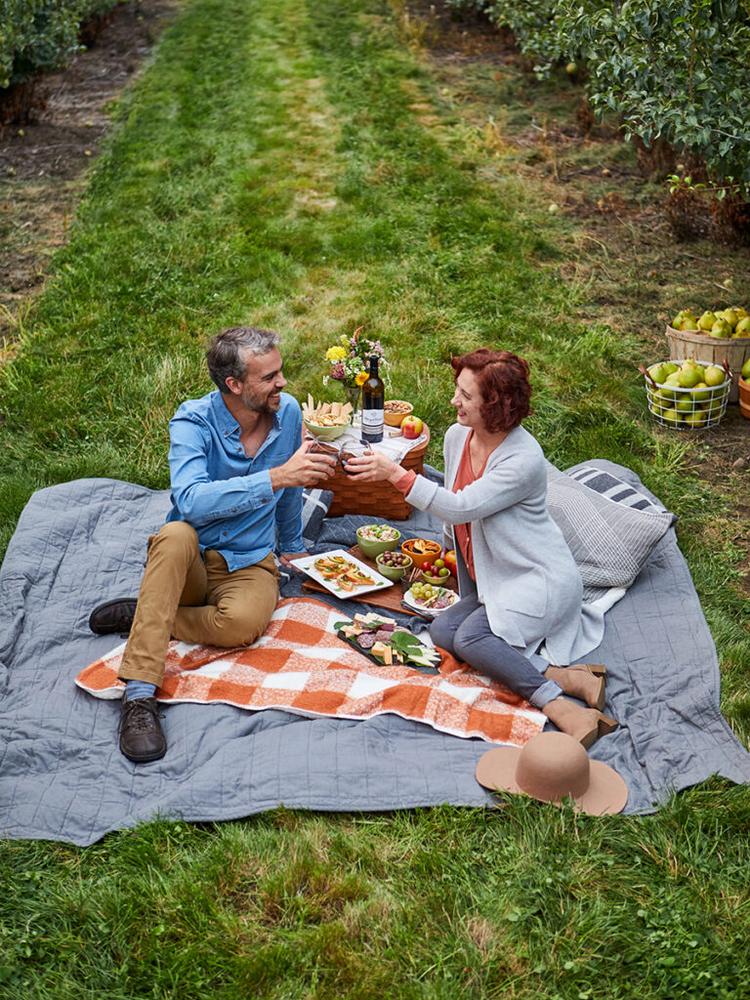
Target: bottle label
(372, 421)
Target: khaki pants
(194, 601)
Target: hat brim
(496, 769)
(607, 792)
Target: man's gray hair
(226, 352)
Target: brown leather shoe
(113, 616)
(141, 736)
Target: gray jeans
(464, 631)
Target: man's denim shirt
(225, 495)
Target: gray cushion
(610, 539)
(608, 485)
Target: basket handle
(727, 369)
(645, 372)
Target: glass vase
(353, 395)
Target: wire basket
(693, 409)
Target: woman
(518, 582)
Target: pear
(665, 396)
(720, 329)
(689, 322)
(731, 317)
(697, 419)
(678, 319)
(714, 375)
(688, 376)
(684, 405)
(743, 327)
(670, 368)
(701, 393)
(685, 320)
(671, 415)
(746, 369)
(658, 374)
(706, 321)
(671, 383)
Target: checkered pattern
(301, 666)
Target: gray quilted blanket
(63, 778)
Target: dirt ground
(44, 164)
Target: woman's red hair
(503, 380)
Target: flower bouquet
(349, 363)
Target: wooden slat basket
(376, 499)
(687, 344)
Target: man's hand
(304, 468)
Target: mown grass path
(289, 163)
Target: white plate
(429, 612)
(307, 565)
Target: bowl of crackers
(326, 421)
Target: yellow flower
(362, 378)
(335, 354)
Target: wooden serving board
(389, 599)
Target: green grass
(293, 164)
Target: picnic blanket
(300, 665)
(62, 776)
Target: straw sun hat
(552, 767)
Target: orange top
(405, 481)
(465, 476)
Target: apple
(449, 558)
(746, 369)
(411, 427)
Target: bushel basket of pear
(715, 335)
(687, 395)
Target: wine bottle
(373, 399)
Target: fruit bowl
(371, 545)
(421, 550)
(390, 566)
(395, 410)
(435, 579)
(686, 394)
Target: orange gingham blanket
(301, 666)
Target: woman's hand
(372, 467)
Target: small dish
(394, 573)
(450, 597)
(327, 433)
(373, 547)
(395, 410)
(421, 550)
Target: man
(237, 466)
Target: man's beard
(260, 404)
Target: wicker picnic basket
(712, 350)
(376, 499)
